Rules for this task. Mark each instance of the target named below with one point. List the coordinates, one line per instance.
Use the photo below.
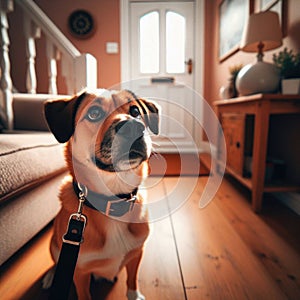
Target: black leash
(65, 268)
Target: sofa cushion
(24, 216)
(26, 160)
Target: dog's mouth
(103, 166)
(125, 162)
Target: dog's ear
(153, 115)
(60, 116)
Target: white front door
(161, 64)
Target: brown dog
(107, 152)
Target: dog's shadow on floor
(100, 289)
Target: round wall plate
(81, 24)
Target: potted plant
(230, 91)
(289, 64)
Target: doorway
(159, 62)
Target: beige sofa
(31, 169)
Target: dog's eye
(94, 114)
(134, 111)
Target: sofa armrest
(29, 111)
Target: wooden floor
(224, 251)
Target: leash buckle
(76, 226)
(82, 197)
(77, 221)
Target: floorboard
(20, 278)
(160, 273)
(277, 256)
(211, 252)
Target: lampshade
(263, 27)
(262, 33)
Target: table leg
(261, 128)
(221, 149)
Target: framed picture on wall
(266, 4)
(232, 17)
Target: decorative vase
(260, 77)
(290, 86)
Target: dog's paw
(135, 295)
(48, 279)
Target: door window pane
(175, 42)
(149, 43)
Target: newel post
(86, 72)
(5, 83)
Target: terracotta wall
(216, 72)
(107, 18)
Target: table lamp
(262, 33)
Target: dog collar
(115, 206)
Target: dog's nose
(130, 128)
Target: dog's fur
(92, 125)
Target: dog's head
(107, 135)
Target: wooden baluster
(31, 33)
(67, 68)
(52, 55)
(6, 82)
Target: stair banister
(79, 70)
(65, 47)
(48, 27)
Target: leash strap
(66, 264)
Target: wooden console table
(262, 106)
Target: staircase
(79, 70)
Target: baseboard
(175, 164)
(291, 200)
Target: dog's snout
(130, 128)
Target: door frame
(199, 54)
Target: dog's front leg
(82, 283)
(132, 278)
